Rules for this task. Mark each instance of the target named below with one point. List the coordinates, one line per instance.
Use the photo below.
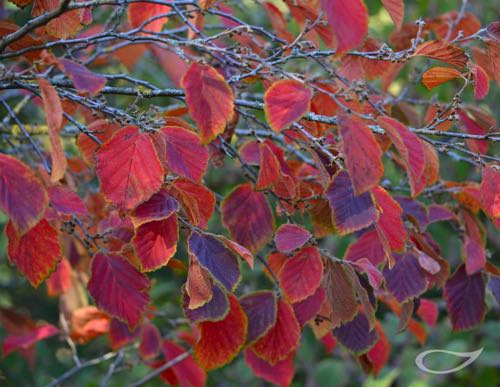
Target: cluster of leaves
(319, 149)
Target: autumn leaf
(442, 51)
(348, 20)
(436, 76)
(54, 116)
(113, 279)
(35, 253)
(285, 102)
(128, 168)
(210, 100)
(19, 185)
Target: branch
(159, 370)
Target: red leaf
(362, 153)
(216, 258)
(141, 12)
(252, 207)
(410, 148)
(160, 206)
(396, 10)
(390, 223)
(367, 246)
(187, 371)
(481, 82)
(102, 130)
(198, 201)
(438, 75)
(14, 343)
(443, 51)
(83, 79)
(128, 168)
(464, 297)
(156, 242)
(285, 102)
(183, 154)
(18, 186)
(60, 280)
(301, 275)
(209, 98)
(113, 280)
(350, 212)
(261, 310)
(278, 21)
(221, 341)
(150, 341)
(54, 116)
(307, 309)
(36, 253)
(238, 249)
(282, 339)
(365, 266)
(475, 256)
(120, 334)
(348, 20)
(379, 354)
(490, 191)
(473, 125)
(290, 237)
(428, 311)
(269, 172)
(65, 200)
(280, 374)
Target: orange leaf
(206, 4)
(285, 102)
(438, 75)
(61, 280)
(443, 51)
(209, 98)
(198, 286)
(54, 116)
